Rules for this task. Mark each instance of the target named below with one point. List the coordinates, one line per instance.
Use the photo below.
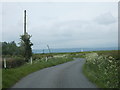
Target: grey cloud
(63, 26)
(77, 31)
(105, 19)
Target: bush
(14, 62)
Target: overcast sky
(63, 25)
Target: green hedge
(14, 62)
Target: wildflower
(110, 61)
(110, 57)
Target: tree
(26, 46)
(9, 48)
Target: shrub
(14, 62)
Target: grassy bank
(13, 75)
(102, 68)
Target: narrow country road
(67, 75)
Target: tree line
(10, 48)
(24, 49)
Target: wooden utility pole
(24, 22)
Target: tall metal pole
(24, 22)
(48, 48)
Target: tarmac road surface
(67, 75)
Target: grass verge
(0, 78)
(13, 75)
(102, 69)
(91, 76)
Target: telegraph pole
(26, 41)
(24, 22)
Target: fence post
(5, 63)
(46, 59)
(31, 60)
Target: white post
(46, 59)
(5, 63)
(31, 60)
